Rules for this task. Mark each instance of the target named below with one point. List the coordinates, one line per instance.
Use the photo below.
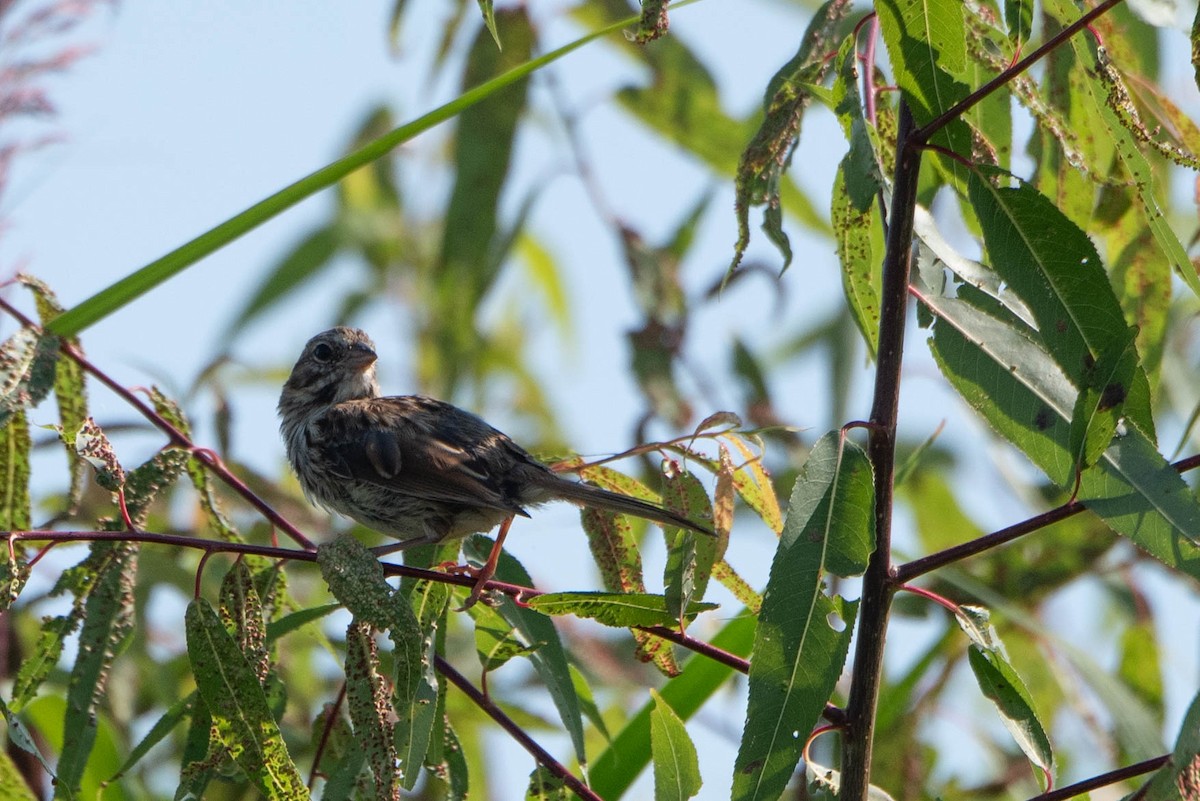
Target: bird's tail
(588, 495)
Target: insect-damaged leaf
(803, 634)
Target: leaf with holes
(241, 716)
(803, 633)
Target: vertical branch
(877, 585)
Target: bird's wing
(423, 448)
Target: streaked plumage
(409, 466)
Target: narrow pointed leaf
(356, 579)
(15, 445)
(765, 159)
(1054, 268)
(234, 697)
(27, 370)
(1024, 395)
(367, 701)
(70, 389)
(615, 609)
(108, 617)
(676, 767)
(926, 44)
(803, 633)
(1002, 686)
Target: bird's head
(336, 365)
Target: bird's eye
(322, 352)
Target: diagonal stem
(177, 437)
(963, 106)
(919, 567)
(515, 731)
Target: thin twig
(515, 731)
(917, 567)
(960, 108)
(177, 437)
(1104, 779)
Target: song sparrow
(413, 467)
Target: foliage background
(135, 184)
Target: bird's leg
(429, 538)
(485, 573)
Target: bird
(416, 468)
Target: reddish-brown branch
(515, 731)
(1104, 779)
(177, 437)
(867, 674)
(917, 567)
(960, 108)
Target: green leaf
(1100, 405)
(1025, 396)
(367, 701)
(289, 623)
(614, 608)
(496, 640)
(1002, 686)
(860, 247)
(803, 633)
(676, 767)
(15, 445)
(550, 658)
(108, 617)
(234, 697)
(690, 556)
(133, 286)
(70, 389)
(166, 723)
(355, 577)
(1018, 16)
(863, 169)
(18, 734)
(545, 786)
(27, 370)
(489, 20)
(1054, 268)
(926, 43)
(629, 752)
(766, 157)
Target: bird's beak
(361, 356)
